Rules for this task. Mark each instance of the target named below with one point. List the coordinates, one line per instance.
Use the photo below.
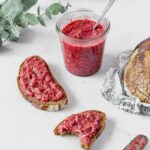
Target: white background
(23, 127)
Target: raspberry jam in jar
(82, 45)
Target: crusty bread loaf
(136, 77)
(50, 105)
(101, 128)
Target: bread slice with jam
(138, 143)
(37, 85)
(87, 125)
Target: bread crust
(136, 76)
(49, 106)
(102, 127)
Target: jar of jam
(82, 45)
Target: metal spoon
(110, 3)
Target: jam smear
(138, 143)
(37, 82)
(85, 125)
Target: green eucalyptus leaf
(11, 8)
(13, 15)
(41, 20)
(27, 4)
(55, 8)
(63, 9)
(21, 20)
(7, 22)
(32, 19)
(4, 34)
(48, 13)
(14, 33)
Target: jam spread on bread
(138, 143)
(37, 82)
(85, 125)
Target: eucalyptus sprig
(14, 14)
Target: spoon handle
(110, 3)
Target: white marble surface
(22, 127)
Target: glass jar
(82, 57)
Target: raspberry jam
(138, 143)
(37, 82)
(85, 125)
(83, 58)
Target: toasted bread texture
(47, 103)
(83, 127)
(137, 73)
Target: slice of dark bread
(31, 68)
(61, 128)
